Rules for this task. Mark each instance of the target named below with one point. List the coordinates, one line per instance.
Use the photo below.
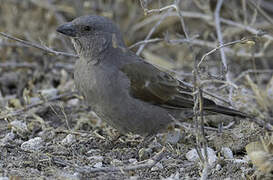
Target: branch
(206, 18)
(43, 48)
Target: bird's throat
(91, 50)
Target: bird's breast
(99, 84)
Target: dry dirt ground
(47, 132)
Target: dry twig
(43, 48)
(147, 164)
(67, 95)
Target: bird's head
(92, 33)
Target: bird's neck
(96, 47)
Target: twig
(216, 97)
(244, 73)
(217, 48)
(262, 12)
(172, 6)
(227, 50)
(147, 164)
(247, 28)
(218, 81)
(20, 111)
(267, 5)
(43, 48)
(152, 31)
(213, 45)
(179, 41)
(226, 73)
(206, 18)
(205, 172)
(244, 11)
(198, 99)
(190, 126)
(220, 37)
(14, 65)
(180, 15)
(18, 65)
(145, 42)
(263, 124)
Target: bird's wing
(157, 87)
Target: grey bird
(128, 93)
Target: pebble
(47, 93)
(173, 176)
(173, 137)
(158, 166)
(132, 160)
(116, 162)
(19, 126)
(34, 144)
(95, 158)
(193, 156)
(227, 153)
(73, 102)
(8, 138)
(218, 167)
(68, 140)
(97, 165)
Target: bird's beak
(67, 29)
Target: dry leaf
(261, 154)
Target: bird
(123, 89)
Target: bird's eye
(87, 28)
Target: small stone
(68, 140)
(95, 158)
(97, 165)
(116, 162)
(47, 93)
(96, 161)
(73, 102)
(132, 160)
(218, 167)
(173, 137)
(158, 166)
(93, 151)
(193, 156)
(19, 126)
(68, 176)
(34, 144)
(33, 100)
(154, 146)
(173, 176)
(134, 178)
(227, 178)
(227, 153)
(8, 138)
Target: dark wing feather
(157, 87)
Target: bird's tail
(226, 111)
